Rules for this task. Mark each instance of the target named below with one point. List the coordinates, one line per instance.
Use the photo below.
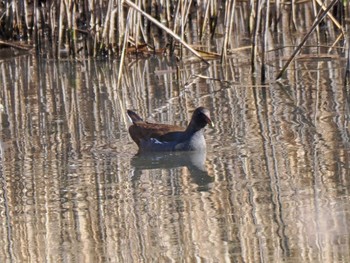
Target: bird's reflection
(194, 161)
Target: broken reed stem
(15, 45)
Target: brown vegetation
(76, 29)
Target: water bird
(156, 137)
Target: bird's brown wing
(145, 131)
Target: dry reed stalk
(335, 21)
(185, 18)
(229, 16)
(91, 22)
(186, 11)
(102, 24)
(205, 19)
(316, 13)
(106, 26)
(16, 46)
(277, 12)
(18, 10)
(231, 22)
(60, 27)
(226, 19)
(121, 63)
(168, 12)
(294, 20)
(264, 33)
(73, 31)
(67, 4)
(136, 25)
(340, 36)
(166, 29)
(347, 69)
(176, 22)
(126, 36)
(182, 25)
(256, 26)
(319, 18)
(121, 23)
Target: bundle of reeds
(207, 28)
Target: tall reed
(76, 29)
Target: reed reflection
(70, 188)
(193, 161)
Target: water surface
(272, 187)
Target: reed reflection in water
(273, 185)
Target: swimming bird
(156, 137)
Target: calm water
(272, 187)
